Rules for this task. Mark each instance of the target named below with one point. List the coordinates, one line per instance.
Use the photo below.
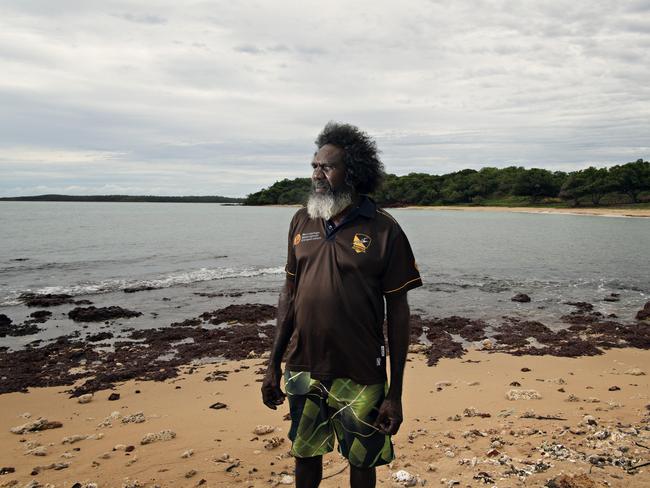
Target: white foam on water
(106, 286)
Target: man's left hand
(390, 416)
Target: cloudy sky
(222, 97)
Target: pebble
(136, 418)
(187, 454)
(263, 429)
(523, 395)
(163, 435)
(635, 372)
(286, 480)
(404, 478)
(37, 425)
(87, 398)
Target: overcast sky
(207, 98)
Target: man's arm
(389, 418)
(272, 395)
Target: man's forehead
(328, 154)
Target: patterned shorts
(322, 409)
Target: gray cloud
(220, 97)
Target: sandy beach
(598, 211)
(459, 425)
(605, 211)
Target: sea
(199, 257)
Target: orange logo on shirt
(361, 243)
(296, 239)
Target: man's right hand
(272, 395)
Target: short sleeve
(401, 272)
(290, 267)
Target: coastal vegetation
(627, 183)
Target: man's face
(328, 170)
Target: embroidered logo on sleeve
(361, 243)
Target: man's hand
(272, 395)
(390, 416)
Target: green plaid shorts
(322, 409)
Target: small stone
(87, 398)
(286, 479)
(273, 442)
(487, 344)
(190, 473)
(404, 478)
(589, 420)
(38, 451)
(113, 396)
(523, 395)
(263, 429)
(163, 435)
(635, 372)
(136, 418)
(218, 406)
(521, 298)
(614, 388)
(187, 454)
(35, 426)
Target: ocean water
(472, 263)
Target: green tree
(631, 178)
(536, 183)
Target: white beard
(327, 205)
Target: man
(345, 257)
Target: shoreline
(592, 211)
(592, 419)
(601, 212)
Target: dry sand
(604, 212)
(431, 443)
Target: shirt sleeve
(290, 267)
(401, 272)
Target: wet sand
(446, 436)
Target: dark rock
(248, 313)
(644, 313)
(525, 370)
(94, 314)
(7, 470)
(612, 297)
(521, 297)
(40, 316)
(129, 449)
(46, 300)
(187, 323)
(83, 302)
(113, 396)
(4, 320)
(218, 406)
(515, 383)
(614, 388)
(100, 336)
(134, 289)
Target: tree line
(624, 183)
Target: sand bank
(446, 435)
(604, 212)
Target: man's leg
(362, 477)
(309, 472)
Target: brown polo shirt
(341, 277)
